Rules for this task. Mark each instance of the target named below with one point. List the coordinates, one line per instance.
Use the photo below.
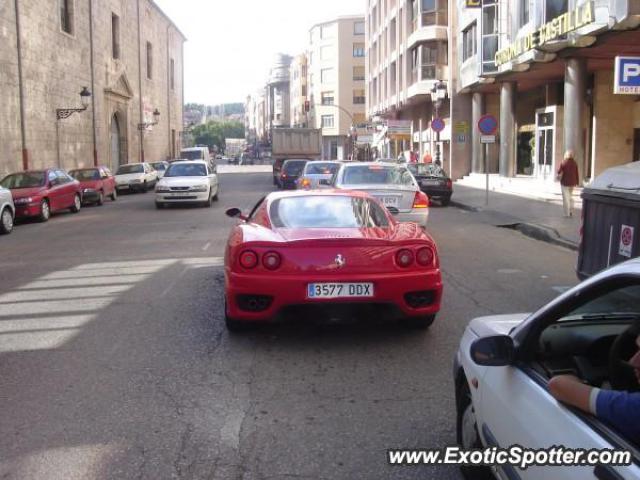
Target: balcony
(423, 78)
(427, 33)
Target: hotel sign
(559, 26)
(627, 76)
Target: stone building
(128, 54)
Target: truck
(234, 147)
(294, 143)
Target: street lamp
(62, 113)
(85, 98)
(439, 93)
(353, 135)
(156, 119)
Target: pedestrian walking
(427, 158)
(569, 179)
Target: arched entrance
(116, 153)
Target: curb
(532, 230)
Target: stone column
(575, 80)
(477, 110)
(507, 128)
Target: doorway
(116, 154)
(545, 143)
(636, 144)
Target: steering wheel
(621, 374)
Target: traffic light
(307, 106)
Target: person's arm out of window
(569, 389)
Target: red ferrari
(328, 254)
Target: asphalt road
(115, 363)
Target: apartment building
(546, 70)
(336, 83)
(277, 93)
(408, 77)
(298, 91)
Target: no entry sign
(488, 125)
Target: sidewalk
(515, 204)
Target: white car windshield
(192, 155)
(186, 170)
(374, 174)
(327, 212)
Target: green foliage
(215, 133)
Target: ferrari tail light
(421, 200)
(424, 257)
(404, 257)
(248, 259)
(271, 260)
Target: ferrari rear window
(317, 211)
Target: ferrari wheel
(420, 322)
(467, 433)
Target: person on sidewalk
(569, 179)
(427, 158)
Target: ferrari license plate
(339, 290)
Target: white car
(160, 168)
(504, 364)
(187, 182)
(136, 177)
(7, 211)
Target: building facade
(129, 55)
(277, 96)
(336, 83)
(545, 69)
(298, 92)
(408, 56)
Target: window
(428, 12)
(358, 74)
(149, 60)
(115, 36)
(304, 91)
(555, 8)
(358, 97)
(327, 75)
(400, 73)
(524, 12)
(358, 28)
(469, 42)
(358, 49)
(489, 35)
(359, 119)
(393, 73)
(327, 31)
(326, 53)
(327, 98)
(429, 60)
(392, 33)
(327, 121)
(172, 73)
(400, 21)
(66, 16)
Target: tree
(215, 133)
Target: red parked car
(97, 183)
(328, 254)
(39, 193)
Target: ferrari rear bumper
(406, 294)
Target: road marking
(206, 246)
(174, 281)
(560, 289)
(509, 270)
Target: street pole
(486, 172)
(58, 143)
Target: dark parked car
(290, 173)
(433, 181)
(39, 193)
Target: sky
(231, 44)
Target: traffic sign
(626, 241)
(627, 75)
(488, 125)
(437, 125)
(487, 139)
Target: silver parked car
(391, 183)
(7, 211)
(318, 174)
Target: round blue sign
(437, 125)
(488, 125)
